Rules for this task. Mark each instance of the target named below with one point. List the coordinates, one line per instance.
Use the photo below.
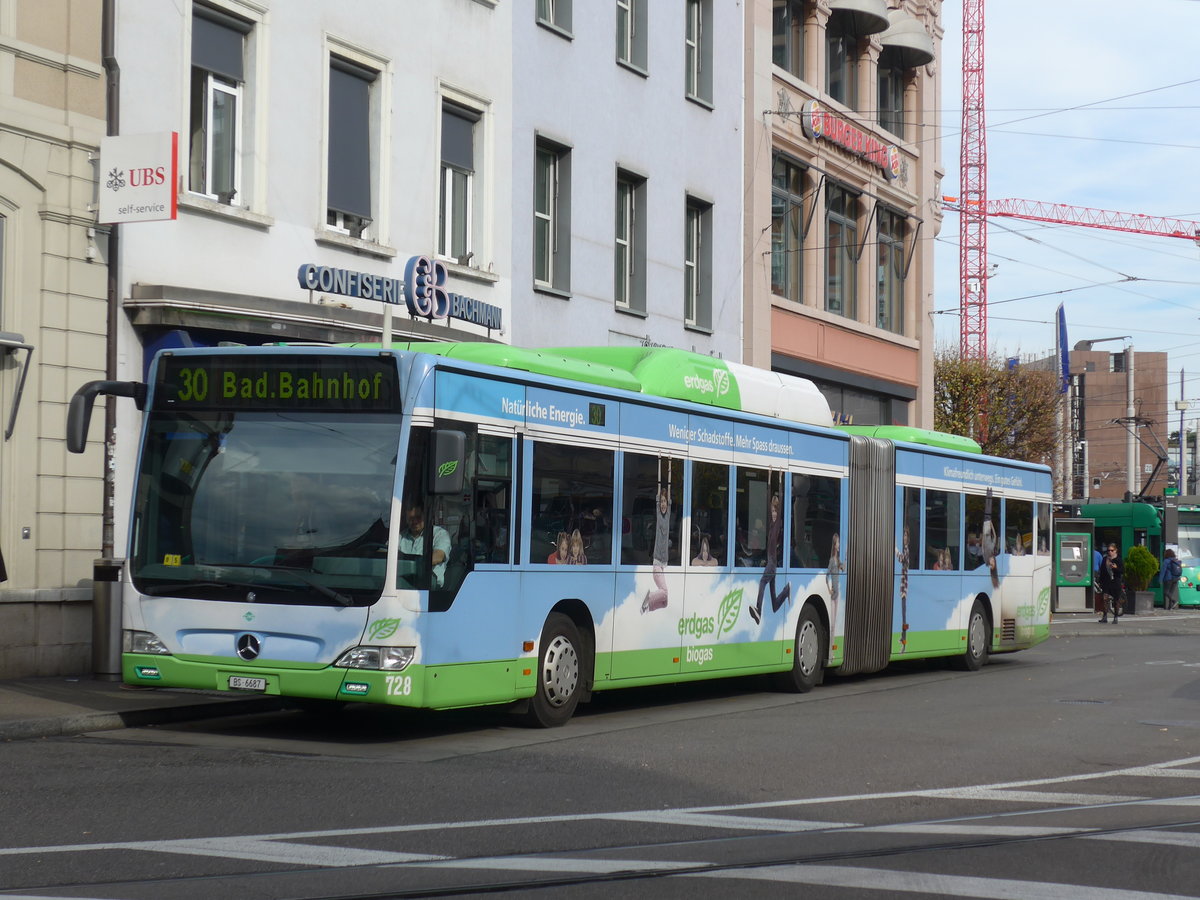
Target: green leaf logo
(731, 608)
(1043, 602)
(721, 379)
(447, 468)
(384, 628)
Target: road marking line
(854, 878)
(281, 852)
(702, 820)
(561, 864)
(1031, 796)
(970, 829)
(1160, 836)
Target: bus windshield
(1189, 539)
(274, 507)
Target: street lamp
(1130, 412)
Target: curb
(81, 723)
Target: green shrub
(1140, 566)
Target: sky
(1091, 103)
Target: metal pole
(1183, 405)
(1131, 435)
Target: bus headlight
(143, 642)
(390, 659)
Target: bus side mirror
(447, 462)
(79, 414)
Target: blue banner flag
(1061, 355)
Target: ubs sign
(423, 291)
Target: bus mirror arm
(79, 414)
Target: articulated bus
(450, 525)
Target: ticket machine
(1073, 565)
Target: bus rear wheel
(978, 641)
(808, 655)
(559, 674)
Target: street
(1061, 771)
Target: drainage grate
(1084, 702)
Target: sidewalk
(67, 705)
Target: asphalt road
(1072, 770)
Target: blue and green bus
(450, 525)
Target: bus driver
(412, 541)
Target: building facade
(843, 180)
(1102, 386)
(52, 326)
(627, 153)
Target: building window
(890, 311)
(841, 61)
(787, 224)
(555, 13)
(698, 50)
(215, 127)
(697, 264)
(350, 187)
(455, 221)
(629, 237)
(631, 33)
(552, 216)
(841, 241)
(787, 33)
(891, 92)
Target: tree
(1011, 411)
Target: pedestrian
(1110, 579)
(1172, 572)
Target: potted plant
(1140, 567)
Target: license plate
(242, 683)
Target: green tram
(1140, 524)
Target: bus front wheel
(559, 674)
(979, 635)
(808, 654)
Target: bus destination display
(364, 383)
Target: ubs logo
(248, 646)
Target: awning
(908, 40)
(866, 16)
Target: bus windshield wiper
(173, 586)
(323, 589)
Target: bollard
(106, 619)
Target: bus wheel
(808, 655)
(559, 674)
(978, 641)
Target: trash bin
(106, 619)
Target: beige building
(843, 181)
(1099, 414)
(53, 319)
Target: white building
(627, 174)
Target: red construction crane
(972, 177)
(1062, 214)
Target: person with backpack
(1172, 572)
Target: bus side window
(710, 493)
(572, 492)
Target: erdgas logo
(725, 620)
(718, 384)
(697, 626)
